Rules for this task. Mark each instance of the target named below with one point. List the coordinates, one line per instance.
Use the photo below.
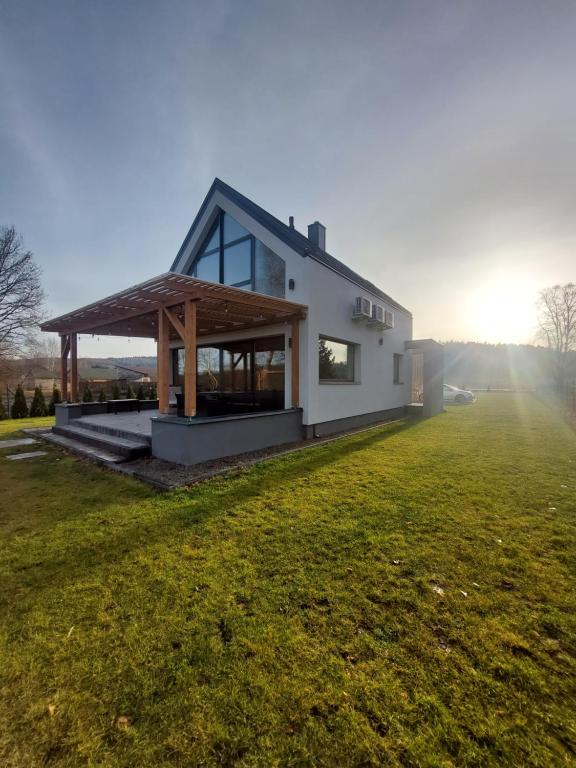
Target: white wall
(329, 298)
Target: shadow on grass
(185, 509)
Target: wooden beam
(64, 350)
(74, 367)
(190, 316)
(163, 362)
(295, 363)
(175, 321)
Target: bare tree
(21, 295)
(44, 349)
(557, 321)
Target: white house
(263, 338)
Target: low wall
(67, 412)
(196, 440)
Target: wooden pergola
(173, 306)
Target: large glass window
(336, 360)
(208, 267)
(236, 376)
(231, 255)
(233, 230)
(238, 263)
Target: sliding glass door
(237, 376)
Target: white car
(455, 395)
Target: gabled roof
(290, 236)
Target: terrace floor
(137, 423)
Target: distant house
(263, 338)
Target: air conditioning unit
(362, 308)
(377, 318)
(388, 319)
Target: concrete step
(104, 429)
(82, 449)
(121, 446)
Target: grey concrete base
(67, 412)
(352, 422)
(191, 441)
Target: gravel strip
(166, 475)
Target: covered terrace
(173, 307)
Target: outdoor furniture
(131, 404)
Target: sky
(436, 141)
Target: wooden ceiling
(134, 312)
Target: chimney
(291, 222)
(317, 235)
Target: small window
(398, 369)
(336, 360)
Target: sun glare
(503, 309)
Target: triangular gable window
(232, 256)
(227, 254)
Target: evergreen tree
(140, 393)
(129, 392)
(87, 396)
(19, 408)
(54, 401)
(115, 392)
(102, 395)
(152, 393)
(38, 406)
(327, 360)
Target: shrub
(19, 408)
(102, 395)
(115, 392)
(87, 396)
(38, 406)
(140, 393)
(3, 413)
(55, 399)
(129, 392)
(152, 393)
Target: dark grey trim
(290, 236)
(192, 441)
(352, 422)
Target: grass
(401, 597)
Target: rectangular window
(398, 369)
(335, 360)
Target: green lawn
(402, 597)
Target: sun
(502, 309)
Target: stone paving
(31, 455)
(17, 442)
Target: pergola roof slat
(134, 310)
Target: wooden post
(295, 362)
(190, 358)
(64, 349)
(163, 361)
(74, 367)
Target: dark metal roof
(293, 239)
